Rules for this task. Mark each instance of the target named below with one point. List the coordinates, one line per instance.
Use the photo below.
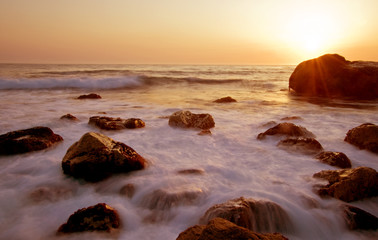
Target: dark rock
(349, 184)
(109, 123)
(308, 146)
(192, 171)
(358, 219)
(332, 76)
(89, 96)
(69, 117)
(186, 119)
(221, 229)
(27, 140)
(337, 159)
(96, 156)
(259, 216)
(225, 100)
(128, 190)
(100, 217)
(287, 129)
(364, 136)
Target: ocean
(234, 162)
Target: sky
(186, 31)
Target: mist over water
(234, 162)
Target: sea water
(234, 162)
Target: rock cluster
(27, 140)
(109, 123)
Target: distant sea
(234, 162)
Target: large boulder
(337, 159)
(221, 229)
(100, 217)
(349, 184)
(96, 156)
(109, 123)
(186, 119)
(332, 76)
(27, 140)
(364, 136)
(308, 146)
(256, 215)
(286, 129)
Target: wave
(91, 72)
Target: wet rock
(349, 184)
(337, 159)
(192, 171)
(128, 190)
(109, 123)
(69, 117)
(332, 76)
(358, 219)
(89, 96)
(27, 140)
(225, 100)
(50, 194)
(364, 136)
(186, 119)
(256, 215)
(205, 132)
(291, 118)
(96, 156)
(308, 146)
(221, 229)
(287, 129)
(100, 217)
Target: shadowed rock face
(337, 159)
(349, 184)
(356, 218)
(332, 76)
(286, 129)
(27, 140)
(96, 156)
(221, 229)
(364, 136)
(186, 119)
(109, 123)
(100, 217)
(259, 216)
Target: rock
(287, 129)
(291, 118)
(225, 100)
(128, 190)
(332, 76)
(50, 194)
(364, 136)
(349, 184)
(259, 216)
(27, 140)
(337, 159)
(69, 117)
(205, 132)
(221, 229)
(358, 219)
(192, 171)
(100, 217)
(308, 146)
(186, 119)
(96, 156)
(109, 123)
(89, 96)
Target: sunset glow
(186, 32)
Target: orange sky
(186, 31)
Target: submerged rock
(128, 190)
(337, 159)
(70, 117)
(192, 171)
(96, 156)
(308, 146)
(27, 140)
(349, 184)
(109, 123)
(358, 219)
(221, 229)
(89, 96)
(259, 216)
(364, 136)
(100, 217)
(225, 100)
(287, 129)
(186, 119)
(50, 193)
(332, 76)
